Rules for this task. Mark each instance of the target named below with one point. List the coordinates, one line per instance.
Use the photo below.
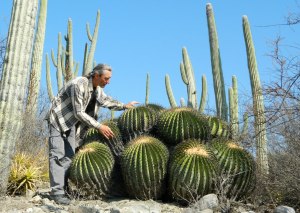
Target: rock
(284, 209)
(209, 201)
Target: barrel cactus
(91, 168)
(181, 123)
(136, 121)
(115, 143)
(218, 127)
(144, 167)
(192, 171)
(236, 165)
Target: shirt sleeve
(77, 95)
(107, 101)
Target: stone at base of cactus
(144, 167)
(192, 172)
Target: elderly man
(76, 105)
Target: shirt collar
(91, 89)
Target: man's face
(102, 80)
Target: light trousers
(61, 151)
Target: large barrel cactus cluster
(179, 152)
(181, 160)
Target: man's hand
(106, 131)
(130, 104)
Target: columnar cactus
(188, 78)
(115, 143)
(219, 86)
(136, 121)
(36, 61)
(144, 167)
(92, 168)
(13, 87)
(258, 102)
(236, 165)
(178, 124)
(192, 171)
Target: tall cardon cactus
(16, 70)
(219, 86)
(144, 167)
(258, 102)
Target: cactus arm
(233, 108)
(36, 64)
(53, 58)
(182, 102)
(203, 94)
(258, 103)
(62, 60)
(183, 75)
(147, 89)
(48, 78)
(76, 70)
(69, 52)
(218, 79)
(59, 68)
(191, 87)
(85, 57)
(170, 92)
(245, 125)
(90, 57)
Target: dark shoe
(61, 199)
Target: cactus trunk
(258, 102)
(14, 79)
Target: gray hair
(99, 69)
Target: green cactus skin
(218, 127)
(147, 89)
(136, 121)
(258, 102)
(144, 167)
(237, 164)
(203, 95)
(217, 72)
(178, 124)
(192, 171)
(170, 92)
(92, 168)
(115, 143)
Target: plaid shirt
(69, 106)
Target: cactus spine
(192, 171)
(13, 82)
(92, 168)
(218, 78)
(144, 167)
(258, 102)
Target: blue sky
(140, 37)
